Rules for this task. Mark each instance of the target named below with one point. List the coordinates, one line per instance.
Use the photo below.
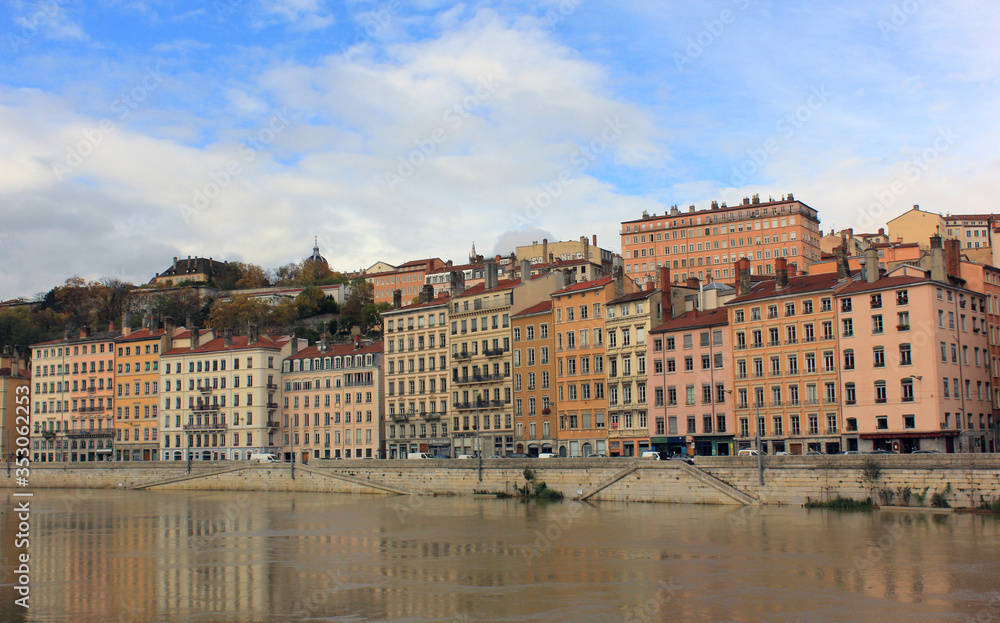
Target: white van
(652, 456)
(420, 455)
(747, 452)
(263, 458)
(548, 455)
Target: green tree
(310, 301)
(362, 294)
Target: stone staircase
(610, 480)
(352, 479)
(192, 476)
(717, 484)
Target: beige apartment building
(416, 372)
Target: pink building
(915, 361)
(692, 380)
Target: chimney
(692, 282)
(457, 278)
(397, 298)
(126, 324)
(881, 231)
(147, 321)
(227, 337)
(545, 250)
(595, 240)
(252, 334)
(952, 257)
(357, 340)
(781, 272)
(195, 336)
(525, 271)
(665, 279)
(85, 332)
(618, 275)
(843, 268)
(324, 344)
(168, 334)
(650, 286)
(586, 247)
(491, 275)
(449, 264)
(427, 293)
(295, 344)
(938, 268)
(111, 327)
(871, 265)
(743, 270)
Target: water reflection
(217, 556)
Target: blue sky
(137, 131)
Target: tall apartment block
(706, 244)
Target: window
(882, 422)
(878, 356)
(850, 394)
(905, 355)
(876, 301)
(848, 327)
(848, 359)
(877, 324)
(903, 321)
(880, 392)
(845, 305)
(907, 389)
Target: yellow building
(15, 373)
(534, 380)
(137, 382)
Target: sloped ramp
(717, 484)
(352, 479)
(167, 481)
(607, 482)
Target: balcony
(205, 408)
(271, 405)
(91, 410)
(49, 434)
(91, 433)
(205, 390)
(791, 341)
(494, 352)
(271, 424)
(206, 428)
(461, 355)
(91, 389)
(773, 344)
(431, 415)
(272, 386)
(399, 417)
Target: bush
(885, 495)
(940, 500)
(921, 497)
(904, 495)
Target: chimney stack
(938, 267)
(545, 250)
(295, 344)
(168, 334)
(952, 257)
(427, 293)
(843, 268)
(781, 273)
(618, 275)
(457, 278)
(693, 282)
(586, 247)
(324, 344)
(525, 271)
(126, 324)
(743, 271)
(871, 265)
(595, 240)
(227, 337)
(650, 286)
(111, 327)
(491, 275)
(252, 334)
(397, 298)
(85, 332)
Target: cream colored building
(917, 226)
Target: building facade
(534, 380)
(332, 402)
(707, 243)
(691, 378)
(137, 395)
(418, 417)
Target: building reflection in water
(182, 556)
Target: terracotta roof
(884, 282)
(480, 288)
(634, 296)
(428, 261)
(338, 350)
(800, 284)
(691, 319)
(270, 342)
(584, 285)
(23, 373)
(99, 336)
(441, 299)
(544, 306)
(728, 208)
(141, 334)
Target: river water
(213, 557)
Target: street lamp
(479, 439)
(760, 456)
(189, 453)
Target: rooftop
(692, 319)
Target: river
(213, 557)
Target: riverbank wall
(962, 480)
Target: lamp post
(291, 448)
(189, 454)
(479, 440)
(760, 454)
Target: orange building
(581, 375)
(137, 382)
(408, 277)
(15, 373)
(707, 243)
(786, 373)
(534, 379)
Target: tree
(179, 304)
(310, 301)
(251, 276)
(286, 275)
(362, 294)
(371, 316)
(238, 313)
(312, 272)
(110, 299)
(18, 329)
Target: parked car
(420, 455)
(747, 452)
(466, 456)
(652, 456)
(597, 455)
(813, 453)
(925, 452)
(851, 452)
(882, 452)
(782, 453)
(517, 455)
(548, 455)
(441, 456)
(687, 458)
(496, 456)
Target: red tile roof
(884, 282)
(633, 296)
(270, 342)
(544, 306)
(480, 288)
(141, 334)
(691, 319)
(442, 299)
(800, 284)
(338, 350)
(584, 285)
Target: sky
(134, 131)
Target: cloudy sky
(134, 131)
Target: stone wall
(787, 480)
